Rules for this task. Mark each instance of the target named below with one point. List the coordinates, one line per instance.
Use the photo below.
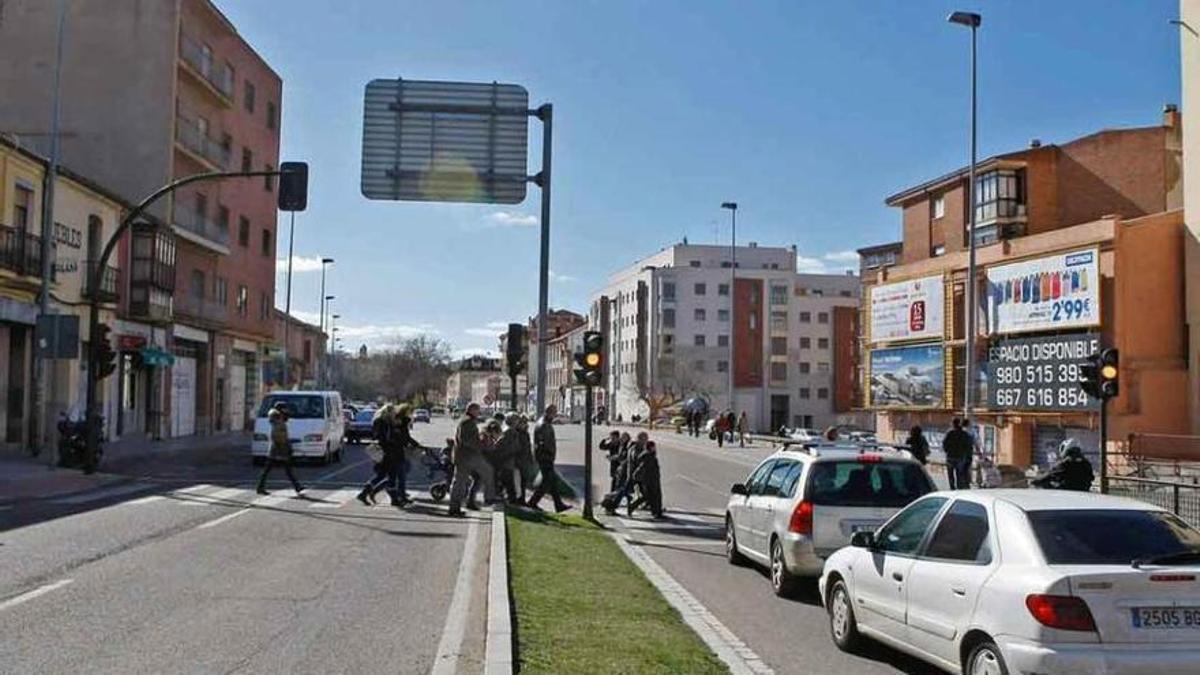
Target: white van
(315, 425)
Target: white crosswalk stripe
(104, 493)
(334, 499)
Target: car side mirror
(739, 489)
(864, 539)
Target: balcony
(197, 61)
(201, 309)
(20, 252)
(197, 144)
(110, 282)
(199, 229)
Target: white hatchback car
(804, 502)
(992, 582)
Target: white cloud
(512, 219)
(380, 336)
(498, 325)
(847, 257)
(806, 265)
(484, 332)
(307, 317)
(561, 278)
(300, 264)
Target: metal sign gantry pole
(546, 114)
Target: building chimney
(1035, 143)
(1171, 119)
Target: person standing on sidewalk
(545, 451)
(468, 459)
(959, 448)
(281, 450)
(743, 428)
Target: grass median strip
(582, 607)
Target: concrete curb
(734, 653)
(498, 657)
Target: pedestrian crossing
(214, 495)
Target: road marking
(706, 486)
(146, 500)
(223, 519)
(728, 647)
(335, 499)
(676, 542)
(450, 646)
(209, 499)
(30, 595)
(104, 493)
(263, 501)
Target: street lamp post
(970, 20)
(732, 206)
(321, 360)
(327, 309)
(333, 339)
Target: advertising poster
(1039, 373)
(908, 377)
(1053, 293)
(908, 310)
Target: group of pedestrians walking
(635, 475)
(726, 426)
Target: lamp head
(968, 19)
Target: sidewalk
(139, 447)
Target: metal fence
(1182, 499)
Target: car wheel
(732, 554)
(842, 625)
(782, 581)
(986, 659)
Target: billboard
(908, 310)
(1057, 292)
(908, 377)
(1039, 373)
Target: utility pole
(287, 309)
(321, 358)
(546, 114)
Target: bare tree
(415, 370)
(679, 376)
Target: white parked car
(991, 582)
(316, 426)
(803, 503)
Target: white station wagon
(991, 582)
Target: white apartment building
(679, 323)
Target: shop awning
(154, 356)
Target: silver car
(805, 502)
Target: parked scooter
(72, 443)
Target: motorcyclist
(1072, 471)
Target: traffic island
(581, 606)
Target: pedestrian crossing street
(216, 495)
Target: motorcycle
(72, 443)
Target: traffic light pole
(587, 453)
(1104, 446)
(96, 275)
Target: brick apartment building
(153, 91)
(1079, 245)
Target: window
(818, 292)
(779, 321)
(699, 366)
(939, 206)
(22, 209)
(699, 314)
(668, 343)
(1109, 537)
(722, 289)
(221, 291)
(722, 340)
(904, 533)
(698, 340)
(264, 305)
(962, 535)
(248, 97)
(822, 393)
(201, 206)
(700, 289)
(756, 480)
(778, 346)
(227, 79)
(723, 315)
(243, 231)
(846, 294)
(753, 321)
(805, 343)
(693, 263)
(939, 250)
(779, 370)
(668, 291)
(805, 367)
(722, 366)
(666, 368)
(668, 318)
(805, 393)
(822, 343)
(823, 317)
(247, 160)
(779, 295)
(223, 218)
(773, 486)
(197, 286)
(267, 249)
(805, 317)
(849, 482)
(823, 367)
(243, 299)
(999, 194)
(268, 180)
(788, 489)
(272, 115)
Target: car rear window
(364, 416)
(298, 406)
(853, 482)
(1109, 536)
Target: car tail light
(802, 519)
(1064, 612)
(870, 459)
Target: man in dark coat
(545, 451)
(1071, 472)
(281, 449)
(469, 459)
(960, 450)
(648, 476)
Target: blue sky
(807, 113)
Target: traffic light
(106, 358)
(514, 349)
(293, 186)
(1099, 376)
(590, 360)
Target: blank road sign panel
(445, 141)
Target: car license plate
(868, 526)
(1166, 617)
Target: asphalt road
(790, 636)
(183, 568)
